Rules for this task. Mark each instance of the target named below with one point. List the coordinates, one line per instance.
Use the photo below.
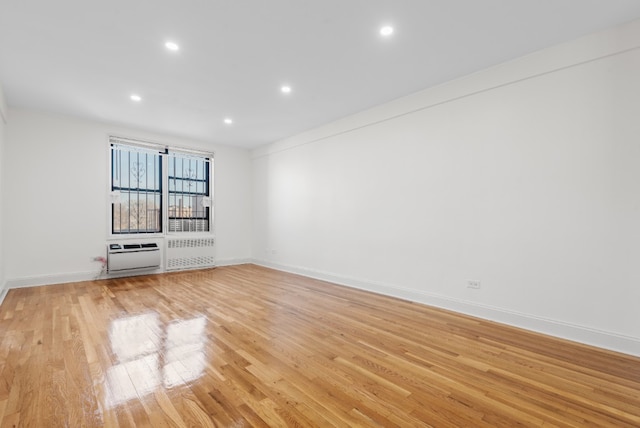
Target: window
(188, 188)
(152, 186)
(137, 175)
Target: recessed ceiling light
(386, 31)
(228, 120)
(172, 46)
(285, 89)
(135, 97)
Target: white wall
(3, 121)
(55, 196)
(525, 177)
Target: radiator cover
(189, 253)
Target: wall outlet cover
(473, 284)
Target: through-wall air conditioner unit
(132, 257)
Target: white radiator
(189, 253)
(126, 257)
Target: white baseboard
(35, 281)
(602, 339)
(4, 289)
(40, 280)
(232, 262)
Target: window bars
(140, 201)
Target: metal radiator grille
(190, 243)
(190, 253)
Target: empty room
(292, 213)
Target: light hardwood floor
(249, 346)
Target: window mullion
(164, 193)
(129, 193)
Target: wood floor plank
(250, 346)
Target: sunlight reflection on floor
(151, 356)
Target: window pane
(136, 174)
(189, 183)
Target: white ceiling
(86, 57)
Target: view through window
(152, 186)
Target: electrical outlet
(473, 284)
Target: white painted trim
(232, 262)
(585, 335)
(34, 281)
(40, 280)
(3, 292)
(64, 278)
(3, 107)
(3, 114)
